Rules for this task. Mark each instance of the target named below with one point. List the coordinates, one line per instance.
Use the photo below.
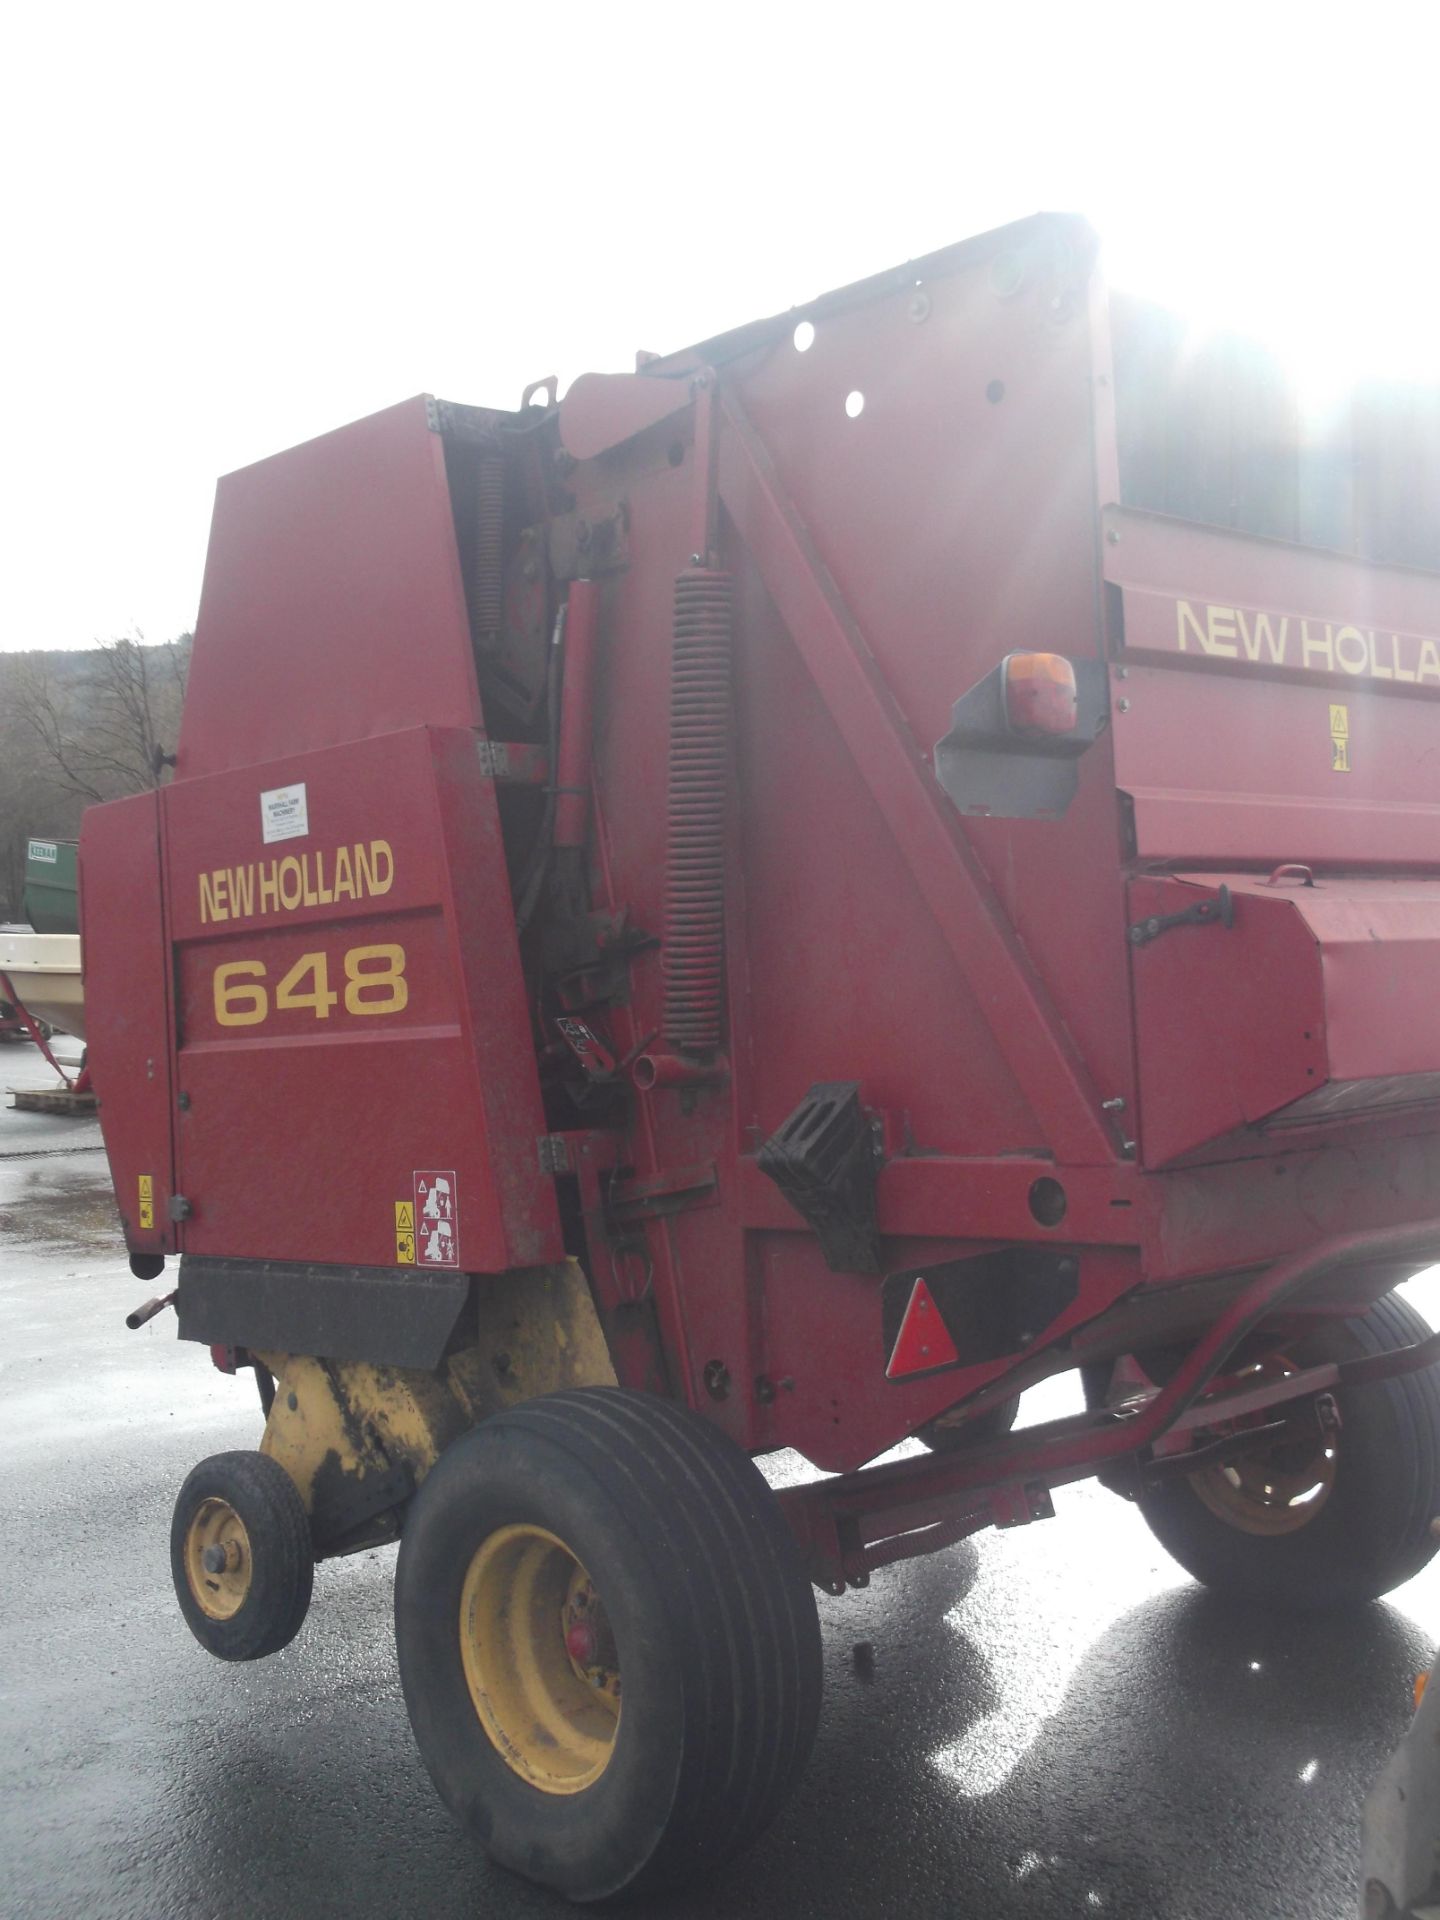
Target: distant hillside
(77, 727)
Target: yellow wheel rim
(1268, 1493)
(540, 1659)
(1280, 1489)
(217, 1559)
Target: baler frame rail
(853, 1524)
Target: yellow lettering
(242, 892)
(310, 879)
(1351, 650)
(1185, 616)
(1220, 622)
(1312, 644)
(238, 1004)
(1429, 661)
(1379, 672)
(380, 850)
(212, 897)
(1401, 673)
(1264, 634)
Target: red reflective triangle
(922, 1342)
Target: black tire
(1371, 1532)
(713, 1620)
(993, 1424)
(276, 1573)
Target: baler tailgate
(350, 996)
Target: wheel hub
(1279, 1488)
(217, 1559)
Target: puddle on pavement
(59, 1208)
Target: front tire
(1332, 1526)
(241, 1556)
(608, 1646)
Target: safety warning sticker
(404, 1233)
(1339, 739)
(147, 1201)
(436, 1220)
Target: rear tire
(597, 1537)
(1365, 1530)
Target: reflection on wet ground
(1049, 1723)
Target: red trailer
(777, 903)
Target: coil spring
(694, 950)
(487, 586)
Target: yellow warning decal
(1339, 739)
(147, 1201)
(404, 1233)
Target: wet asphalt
(1052, 1722)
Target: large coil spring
(694, 950)
(487, 585)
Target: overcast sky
(230, 228)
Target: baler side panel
(851, 951)
(956, 516)
(127, 978)
(333, 607)
(352, 1015)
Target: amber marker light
(1040, 693)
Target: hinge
(513, 763)
(554, 1153)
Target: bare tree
(99, 732)
(76, 728)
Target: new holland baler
(777, 902)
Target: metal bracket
(1018, 1506)
(1220, 910)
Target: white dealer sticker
(284, 814)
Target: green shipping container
(51, 898)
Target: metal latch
(1220, 910)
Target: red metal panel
(1322, 994)
(405, 1044)
(333, 606)
(1227, 749)
(1379, 950)
(925, 827)
(122, 935)
(1229, 1023)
